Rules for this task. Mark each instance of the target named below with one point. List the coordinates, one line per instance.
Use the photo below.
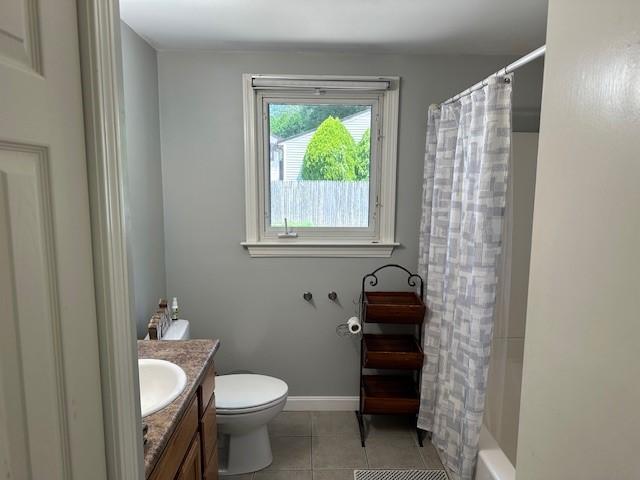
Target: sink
(161, 382)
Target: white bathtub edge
(493, 464)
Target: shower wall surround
(502, 403)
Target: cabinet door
(211, 472)
(209, 430)
(207, 388)
(190, 469)
(178, 446)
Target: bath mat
(399, 475)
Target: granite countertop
(193, 356)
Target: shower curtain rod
(529, 57)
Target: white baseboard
(297, 404)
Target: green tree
(290, 120)
(331, 153)
(362, 156)
(286, 120)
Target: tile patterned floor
(326, 446)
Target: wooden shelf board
(393, 307)
(389, 394)
(392, 298)
(391, 351)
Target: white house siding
(275, 157)
(295, 147)
(293, 151)
(357, 124)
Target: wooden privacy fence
(320, 203)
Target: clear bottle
(174, 308)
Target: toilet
(245, 404)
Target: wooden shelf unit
(391, 393)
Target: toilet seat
(245, 393)
(240, 411)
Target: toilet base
(237, 460)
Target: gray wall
(255, 305)
(145, 223)
(579, 415)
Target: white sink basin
(161, 382)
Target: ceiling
(412, 26)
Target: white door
(50, 403)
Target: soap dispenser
(174, 308)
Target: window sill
(320, 249)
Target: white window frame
(367, 234)
(377, 240)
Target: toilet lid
(247, 390)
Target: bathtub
(493, 464)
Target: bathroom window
(320, 160)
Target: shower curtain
(465, 188)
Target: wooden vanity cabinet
(191, 452)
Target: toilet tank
(178, 330)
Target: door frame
(101, 66)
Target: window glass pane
(319, 165)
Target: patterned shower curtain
(465, 186)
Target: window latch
(287, 233)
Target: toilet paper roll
(354, 325)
